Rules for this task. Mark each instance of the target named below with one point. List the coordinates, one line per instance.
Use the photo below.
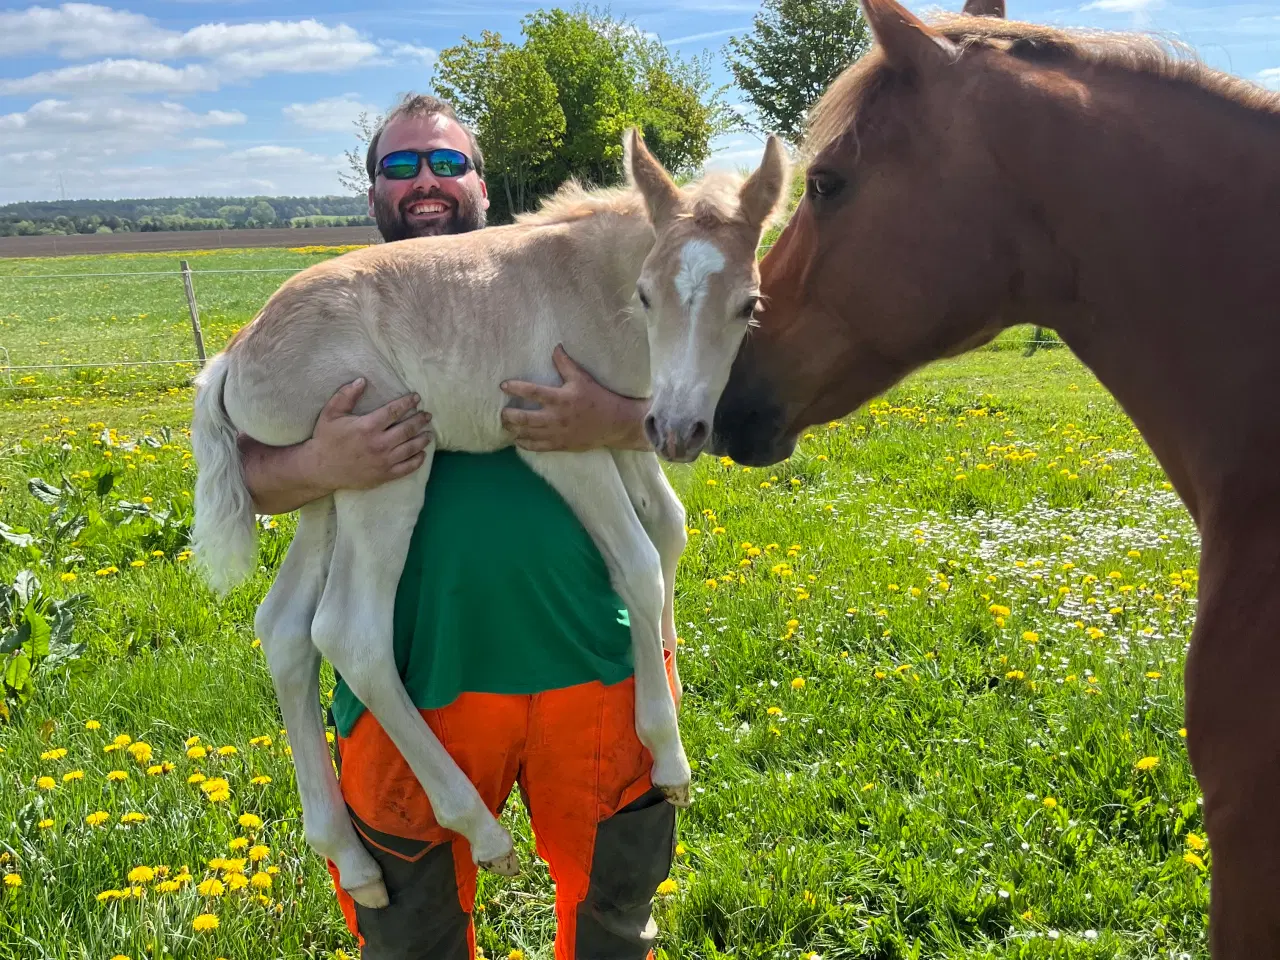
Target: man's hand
(579, 415)
(346, 452)
(357, 452)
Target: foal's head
(699, 287)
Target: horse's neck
(1161, 196)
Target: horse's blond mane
(712, 200)
(1134, 52)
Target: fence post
(195, 311)
(1036, 336)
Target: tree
(355, 177)
(794, 51)
(263, 212)
(556, 105)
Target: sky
(244, 97)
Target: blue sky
(145, 98)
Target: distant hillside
(66, 217)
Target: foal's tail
(225, 538)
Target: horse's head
(907, 240)
(699, 287)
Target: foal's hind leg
(591, 485)
(353, 629)
(283, 624)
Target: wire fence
(192, 336)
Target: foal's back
(446, 317)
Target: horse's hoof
(372, 895)
(508, 865)
(677, 796)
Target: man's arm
(579, 415)
(346, 452)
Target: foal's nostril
(698, 436)
(651, 430)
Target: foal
(652, 276)
(978, 174)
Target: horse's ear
(907, 41)
(761, 193)
(661, 195)
(985, 8)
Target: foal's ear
(985, 8)
(761, 193)
(661, 195)
(907, 41)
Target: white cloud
(200, 143)
(709, 35)
(115, 77)
(408, 51)
(332, 115)
(1270, 78)
(88, 130)
(1121, 6)
(75, 30)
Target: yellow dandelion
(169, 886)
(97, 818)
(204, 923)
(1147, 764)
(260, 781)
(667, 887)
(141, 875)
(213, 887)
(1196, 842)
(46, 783)
(227, 751)
(116, 776)
(797, 683)
(1194, 860)
(250, 821)
(122, 740)
(1031, 636)
(133, 817)
(515, 955)
(238, 843)
(236, 881)
(1049, 802)
(45, 824)
(260, 881)
(12, 881)
(219, 796)
(196, 777)
(55, 754)
(774, 711)
(197, 752)
(92, 725)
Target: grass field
(932, 663)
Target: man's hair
(421, 105)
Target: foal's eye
(824, 185)
(644, 300)
(748, 308)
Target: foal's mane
(1132, 52)
(711, 201)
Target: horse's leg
(283, 624)
(353, 629)
(591, 485)
(1233, 733)
(663, 517)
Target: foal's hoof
(507, 865)
(372, 895)
(677, 796)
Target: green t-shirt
(503, 591)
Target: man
(508, 634)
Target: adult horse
(974, 174)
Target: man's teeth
(428, 206)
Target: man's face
(427, 205)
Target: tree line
(66, 217)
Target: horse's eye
(748, 308)
(644, 300)
(824, 185)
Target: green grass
(892, 805)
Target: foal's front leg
(591, 485)
(353, 628)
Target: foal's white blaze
(700, 260)
(691, 350)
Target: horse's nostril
(698, 435)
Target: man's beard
(393, 223)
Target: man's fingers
(410, 448)
(525, 390)
(406, 467)
(344, 401)
(397, 434)
(566, 366)
(537, 446)
(393, 412)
